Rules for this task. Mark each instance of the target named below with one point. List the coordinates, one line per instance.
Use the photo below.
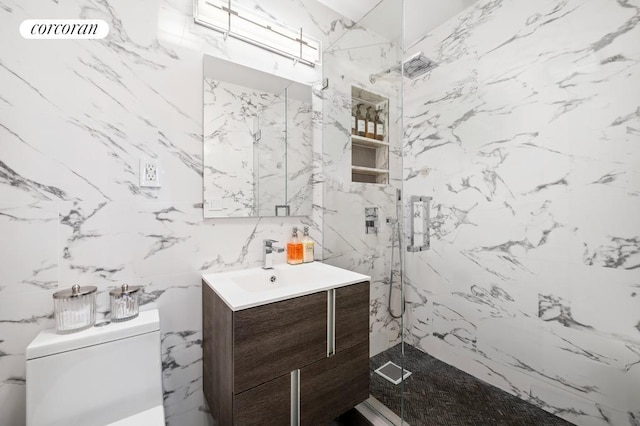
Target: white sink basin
(262, 280)
(251, 287)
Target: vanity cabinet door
(273, 340)
(352, 315)
(330, 387)
(267, 404)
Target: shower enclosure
(514, 153)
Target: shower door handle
(419, 239)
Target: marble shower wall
(527, 135)
(350, 62)
(75, 118)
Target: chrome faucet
(267, 252)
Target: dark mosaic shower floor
(439, 394)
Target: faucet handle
(268, 243)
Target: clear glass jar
(75, 309)
(124, 303)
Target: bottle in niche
(371, 125)
(308, 246)
(294, 249)
(354, 121)
(360, 121)
(379, 126)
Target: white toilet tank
(98, 376)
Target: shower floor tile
(439, 394)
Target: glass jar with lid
(75, 308)
(124, 302)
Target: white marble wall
(75, 118)
(347, 63)
(527, 136)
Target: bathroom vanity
(288, 345)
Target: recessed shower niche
(369, 137)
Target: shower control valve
(371, 222)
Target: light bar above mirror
(239, 23)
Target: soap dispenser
(308, 246)
(294, 249)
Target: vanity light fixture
(244, 25)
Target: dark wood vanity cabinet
(352, 316)
(274, 339)
(271, 400)
(249, 356)
(334, 385)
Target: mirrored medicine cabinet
(257, 143)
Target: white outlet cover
(215, 204)
(149, 173)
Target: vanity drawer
(334, 385)
(352, 315)
(267, 404)
(272, 340)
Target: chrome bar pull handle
(331, 322)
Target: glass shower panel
(362, 174)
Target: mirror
(257, 143)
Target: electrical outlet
(215, 204)
(149, 173)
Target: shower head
(413, 67)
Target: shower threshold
(377, 414)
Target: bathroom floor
(439, 394)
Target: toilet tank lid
(48, 342)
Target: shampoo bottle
(294, 248)
(360, 122)
(379, 127)
(308, 245)
(354, 121)
(370, 131)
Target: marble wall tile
(526, 135)
(32, 228)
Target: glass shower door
(362, 177)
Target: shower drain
(393, 372)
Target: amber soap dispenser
(294, 249)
